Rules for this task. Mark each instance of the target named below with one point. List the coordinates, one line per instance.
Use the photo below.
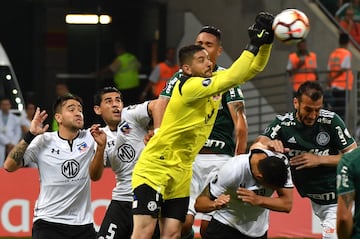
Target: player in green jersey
(316, 138)
(348, 186)
(161, 177)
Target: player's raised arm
(14, 159)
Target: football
(291, 26)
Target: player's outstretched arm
(255, 56)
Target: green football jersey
(221, 139)
(327, 136)
(348, 180)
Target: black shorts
(118, 222)
(149, 202)
(218, 230)
(51, 230)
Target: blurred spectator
(341, 12)
(340, 74)
(125, 69)
(10, 130)
(331, 5)
(61, 89)
(302, 65)
(350, 25)
(161, 74)
(27, 117)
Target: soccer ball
(291, 26)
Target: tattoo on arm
(348, 199)
(18, 152)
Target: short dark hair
(102, 91)
(186, 53)
(310, 88)
(344, 38)
(212, 30)
(274, 171)
(62, 99)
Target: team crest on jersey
(82, 147)
(125, 128)
(206, 82)
(322, 138)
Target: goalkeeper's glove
(258, 37)
(264, 20)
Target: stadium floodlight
(87, 19)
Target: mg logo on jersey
(126, 153)
(70, 168)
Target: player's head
(308, 102)
(302, 47)
(69, 112)
(194, 61)
(344, 39)
(268, 163)
(209, 37)
(108, 105)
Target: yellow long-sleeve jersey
(165, 163)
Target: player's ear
(97, 110)
(187, 69)
(296, 102)
(58, 117)
(220, 50)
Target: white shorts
(202, 166)
(327, 216)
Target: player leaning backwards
(161, 177)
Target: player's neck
(68, 134)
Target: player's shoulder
(84, 133)
(328, 117)
(289, 116)
(218, 68)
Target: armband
(253, 49)
(29, 137)
(156, 130)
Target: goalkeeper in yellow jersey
(162, 175)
